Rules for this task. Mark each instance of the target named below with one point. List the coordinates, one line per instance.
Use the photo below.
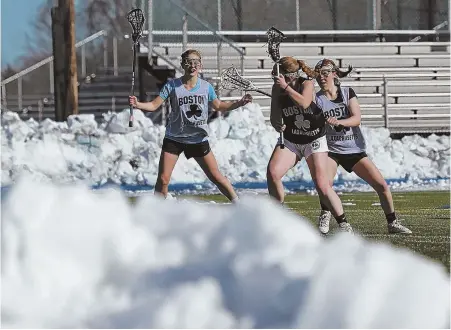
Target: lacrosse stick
(232, 80)
(136, 19)
(275, 37)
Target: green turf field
(427, 214)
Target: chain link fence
(304, 14)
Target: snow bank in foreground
(72, 257)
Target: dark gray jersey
(348, 140)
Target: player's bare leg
(366, 170)
(280, 162)
(317, 164)
(165, 168)
(210, 167)
(325, 216)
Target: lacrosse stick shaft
(130, 123)
(282, 141)
(261, 92)
(275, 37)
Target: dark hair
(335, 68)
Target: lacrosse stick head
(275, 37)
(232, 80)
(136, 19)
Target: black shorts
(347, 161)
(191, 150)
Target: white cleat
(324, 221)
(397, 228)
(345, 227)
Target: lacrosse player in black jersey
(292, 104)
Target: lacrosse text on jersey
(342, 137)
(188, 120)
(341, 140)
(302, 125)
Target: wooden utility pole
(239, 11)
(64, 59)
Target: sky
(16, 16)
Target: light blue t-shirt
(187, 121)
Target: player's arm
(223, 106)
(275, 116)
(354, 109)
(146, 106)
(156, 103)
(303, 99)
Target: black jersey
(302, 125)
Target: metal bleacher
(401, 85)
(404, 86)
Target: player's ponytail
(307, 70)
(342, 74)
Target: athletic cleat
(345, 227)
(324, 221)
(397, 228)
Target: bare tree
(107, 14)
(8, 71)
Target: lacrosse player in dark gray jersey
(347, 145)
(294, 112)
(187, 129)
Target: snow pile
(80, 150)
(77, 258)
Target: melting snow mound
(73, 257)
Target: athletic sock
(235, 200)
(390, 217)
(323, 207)
(341, 218)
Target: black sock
(323, 207)
(341, 218)
(390, 217)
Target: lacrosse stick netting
(275, 37)
(232, 80)
(136, 19)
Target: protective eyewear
(324, 73)
(192, 62)
(291, 75)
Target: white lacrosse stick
(275, 37)
(232, 80)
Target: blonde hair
(188, 52)
(289, 64)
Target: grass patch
(427, 214)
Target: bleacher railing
(220, 39)
(49, 60)
(369, 35)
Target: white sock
(235, 200)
